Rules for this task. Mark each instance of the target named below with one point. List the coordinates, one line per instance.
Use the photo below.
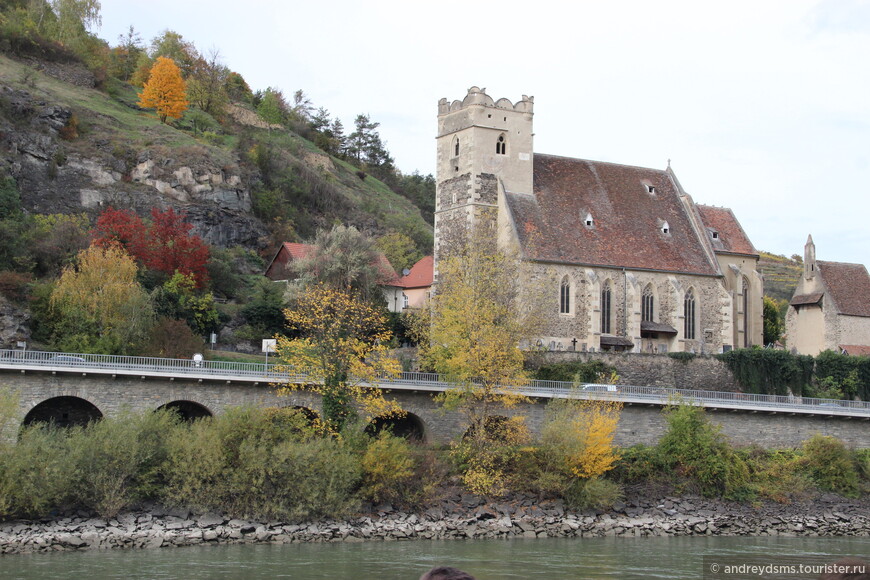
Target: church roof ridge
(596, 161)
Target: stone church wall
(703, 373)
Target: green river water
(652, 557)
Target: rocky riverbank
(461, 516)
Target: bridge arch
(409, 426)
(187, 410)
(63, 411)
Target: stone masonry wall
(703, 373)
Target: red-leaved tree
(165, 245)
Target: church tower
(809, 258)
(482, 144)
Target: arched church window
(501, 146)
(565, 296)
(647, 306)
(746, 341)
(606, 298)
(689, 315)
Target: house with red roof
(279, 270)
(628, 260)
(830, 308)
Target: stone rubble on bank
(462, 516)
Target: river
(551, 558)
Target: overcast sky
(762, 106)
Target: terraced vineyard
(781, 275)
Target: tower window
(456, 147)
(500, 145)
(565, 296)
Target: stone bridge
(73, 389)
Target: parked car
(597, 388)
(67, 358)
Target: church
(629, 262)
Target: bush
(117, 462)
(247, 464)
(696, 452)
(33, 473)
(830, 465)
(769, 372)
(594, 493)
(388, 470)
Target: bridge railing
(156, 366)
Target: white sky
(762, 106)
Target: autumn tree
(172, 45)
(172, 248)
(773, 322)
(165, 90)
(399, 249)
(341, 346)
(477, 320)
(166, 245)
(206, 86)
(98, 305)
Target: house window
(647, 306)
(651, 189)
(689, 315)
(666, 228)
(500, 146)
(565, 296)
(606, 296)
(714, 234)
(404, 300)
(588, 221)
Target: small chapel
(629, 262)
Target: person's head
(848, 569)
(446, 573)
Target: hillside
(781, 275)
(72, 148)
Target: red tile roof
(421, 274)
(855, 349)
(627, 218)
(731, 238)
(849, 285)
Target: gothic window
(565, 296)
(606, 296)
(746, 342)
(647, 306)
(500, 146)
(689, 315)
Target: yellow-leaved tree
(342, 347)
(99, 306)
(477, 320)
(165, 90)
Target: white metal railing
(261, 372)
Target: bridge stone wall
(703, 373)
(638, 424)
